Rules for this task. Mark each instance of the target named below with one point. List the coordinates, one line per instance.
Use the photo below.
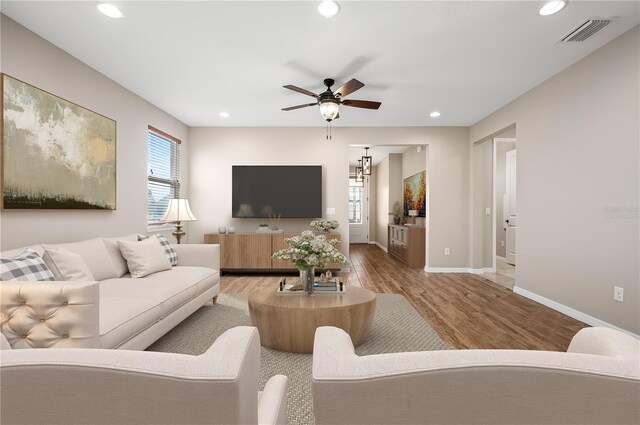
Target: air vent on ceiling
(585, 30)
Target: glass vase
(307, 279)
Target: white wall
(373, 199)
(413, 161)
(388, 191)
(578, 183)
(383, 208)
(395, 180)
(214, 149)
(26, 56)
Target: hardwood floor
(466, 310)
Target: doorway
(358, 210)
(504, 207)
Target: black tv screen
(292, 191)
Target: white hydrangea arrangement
(308, 251)
(324, 225)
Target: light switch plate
(331, 211)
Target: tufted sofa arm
(50, 314)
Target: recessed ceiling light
(224, 114)
(434, 114)
(552, 7)
(328, 8)
(110, 11)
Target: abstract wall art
(415, 194)
(55, 154)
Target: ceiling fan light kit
(329, 101)
(329, 109)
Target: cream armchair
(596, 382)
(93, 386)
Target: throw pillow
(171, 253)
(144, 257)
(26, 266)
(67, 265)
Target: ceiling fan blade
(299, 90)
(348, 88)
(367, 104)
(291, 108)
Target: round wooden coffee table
(288, 322)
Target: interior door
(511, 207)
(359, 211)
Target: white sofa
(596, 382)
(93, 386)
(115, 311)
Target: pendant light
(359, 174)
(366, 163)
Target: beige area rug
(397, 327)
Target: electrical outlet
(618, 293)
(501, 243)
(487, 211)
(331, 211)
(447, 251)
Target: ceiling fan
(330, 101)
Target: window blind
(163, 170)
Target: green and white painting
(56, 154)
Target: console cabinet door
(249, 251)
(243, 251)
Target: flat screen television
(294, 191)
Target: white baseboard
(380, 246)
(372, 242)
(578, 315)
(447, 270)
(459, 270)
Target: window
(163, 170)
(355, 201)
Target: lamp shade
(178, 210)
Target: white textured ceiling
(196, 59)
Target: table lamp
(178, 211)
